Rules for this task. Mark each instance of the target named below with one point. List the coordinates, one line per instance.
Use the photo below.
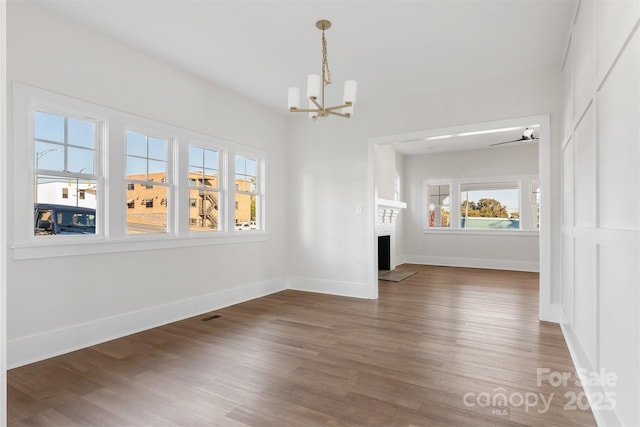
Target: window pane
(439, 211)
(147, 209)
(48, 126)
(136, 144)
(439, 216)
(245, 212)
(211, 159)
(490, 206)
(157, 170)
(243, 183)
(240, 165)
(80, 160)
(69, 206)
(136, 168)
(49, 156)
(157, 149)
(49, 189)
(211, 178)
(81, 133)
(203, 210)
(196, 156)
(251, 167)
(196, 177)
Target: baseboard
(594, 392)
(552, 313)
(25, 350)
(493, 264)
(332, 287)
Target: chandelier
(316, 85)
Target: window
(247, 193)
(204, 189)
(439, 211)
(65, 150)
(61, 192)
(496, 204)
(147, 166)
(490, 205)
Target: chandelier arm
(315, 101)
(339, 114)
(304, 110)
(337, 107)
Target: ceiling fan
(527, 135)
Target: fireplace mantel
(388, 209)
(391, 204)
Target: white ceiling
(392, 48)
(438, 143)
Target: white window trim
(425, 218)
(111, 235)
(223, 202)
(260, 159)
(526, 222)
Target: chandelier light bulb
(314, 86)
(294, 97)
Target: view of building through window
(246, 192)
(221, 181)
(147, 187)
(204, 189)
(64, 161)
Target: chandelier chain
(325, 63)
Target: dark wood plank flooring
(437, 349)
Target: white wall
(329, 239)
(510, 251)
(64, 302)
(3, 209)
(601, 201)
(385, 158)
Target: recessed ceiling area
(394, 49)
(472, 140)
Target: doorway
(546, 311)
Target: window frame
(427, 221)
(98, 175)
(162, 133)
(258, 193)
(211, 145)
(524, 183)
(110, 165)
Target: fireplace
(384, 252)
(386, 221)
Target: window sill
(459, 231)
(52, 249)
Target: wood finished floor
(303, 359)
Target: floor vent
(215, 316)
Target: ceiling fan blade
(509, 142)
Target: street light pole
(38, 156)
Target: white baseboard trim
(332, 287)
(25, 350)
(594, 392)
(493, 264)
(552, 313)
